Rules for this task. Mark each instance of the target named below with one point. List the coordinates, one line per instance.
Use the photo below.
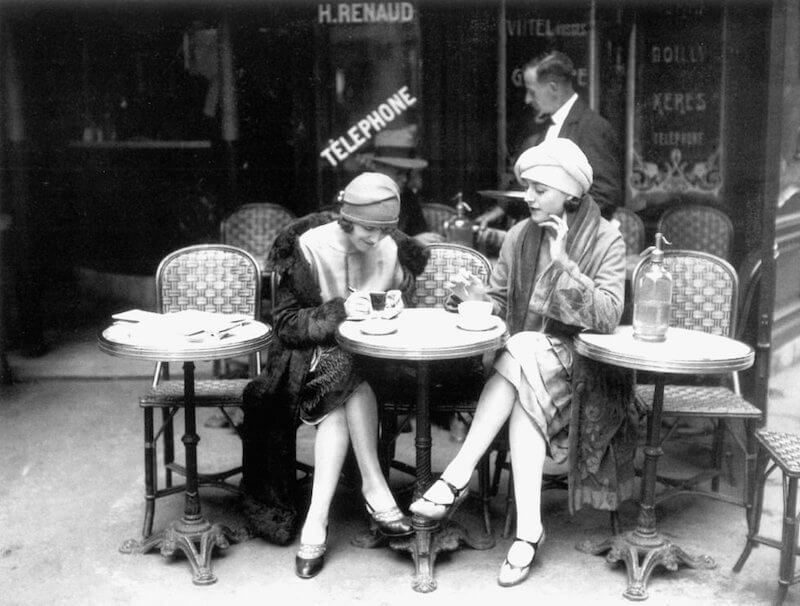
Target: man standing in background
(560, 112)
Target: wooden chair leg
(614, 520)
(718, 453)
(751, 473)
(788, 538)
(386, 440)
(150, 474)
(483, 488)
(499, 465)
(510, 507)
(169, 445)
(754, 520)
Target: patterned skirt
(540, 368)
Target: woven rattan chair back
(704, 292)
(436, 214)
(631, 227)
(443, 265)
(253, 227)
(209, 277)
(698, 227)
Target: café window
(676, 147)
(368, 80)
(532, 30)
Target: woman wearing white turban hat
(559, 272)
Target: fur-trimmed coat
(301, 322)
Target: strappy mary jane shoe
(432, 510)
(310, 559)
(390, 523)
(511, 575)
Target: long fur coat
(301, 322)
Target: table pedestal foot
(641, 554)
(195, 538)
(428, 541)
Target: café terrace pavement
(72, 492)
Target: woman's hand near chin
(557, 228)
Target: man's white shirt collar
(559, 116)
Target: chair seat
(208, 393)
(699, 401)
(784, 448)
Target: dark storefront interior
(126, 146)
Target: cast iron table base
(644, 548)
(641, 555)
(429, 540)
(195, 538)
(192, 530)
(430, 537)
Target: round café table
(423, 335)
(126, 340)
(688, 352)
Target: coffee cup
(475, 314)
(386, 304)
(377, 299)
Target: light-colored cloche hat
(397, 148)
(371, 199)
(558, 163)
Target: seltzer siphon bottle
(652, 295)
(459, 230)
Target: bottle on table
(652, 295)
(460, 230)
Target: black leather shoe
(391, 523)
(309, 560)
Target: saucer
(378, 327)
(488, 325)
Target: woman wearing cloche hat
(327, 267)
(559, 272)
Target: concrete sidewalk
(71, 492)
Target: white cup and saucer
(476, 315)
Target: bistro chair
(205, 277)
(489, 240)
(704, 297)
(631, 227)
(777, 450)
(436, 214)
(433, 287)
(698, 227)
(253, 227)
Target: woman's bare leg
(362, 420)
(493, 410)
(330, 449)
(528, 452)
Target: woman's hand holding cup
(357, 305)
(394, 304)
(467, 287)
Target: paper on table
(186, 323)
